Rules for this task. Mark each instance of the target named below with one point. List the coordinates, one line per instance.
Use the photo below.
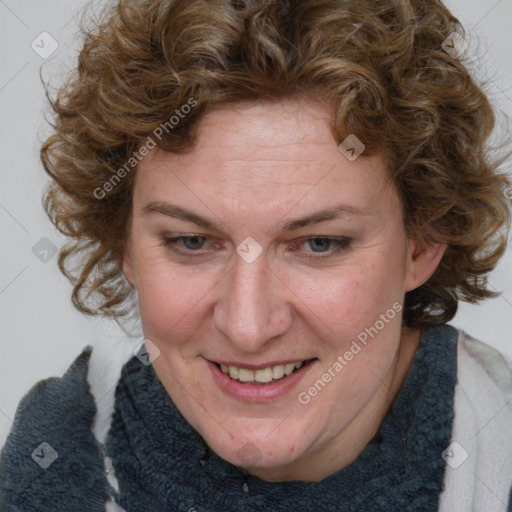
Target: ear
(422, 260)
(128, 265)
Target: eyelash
(340, 244)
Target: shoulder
(479, 464)
(51, 451)
(478, 359)
(484, 386)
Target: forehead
(271, 127)
(279, 152)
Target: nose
(254, 306)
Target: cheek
(170, 299)
(341, 303)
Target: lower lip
(257, 392)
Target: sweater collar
(160, 459)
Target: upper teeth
(264, 375)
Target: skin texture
(254, 167)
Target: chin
(258, 451)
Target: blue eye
(192, 243)
(320, 244)
(327, 245)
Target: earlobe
(423, 258)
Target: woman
(293, 196)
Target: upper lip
(262, 365)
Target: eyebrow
(178, 212)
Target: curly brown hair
(381, 66)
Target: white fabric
(482, 427)
(103, 375)
(112, 506)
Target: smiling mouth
(263, 376)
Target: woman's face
(265, 247)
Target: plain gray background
(41, 333)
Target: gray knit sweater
(52, 462)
